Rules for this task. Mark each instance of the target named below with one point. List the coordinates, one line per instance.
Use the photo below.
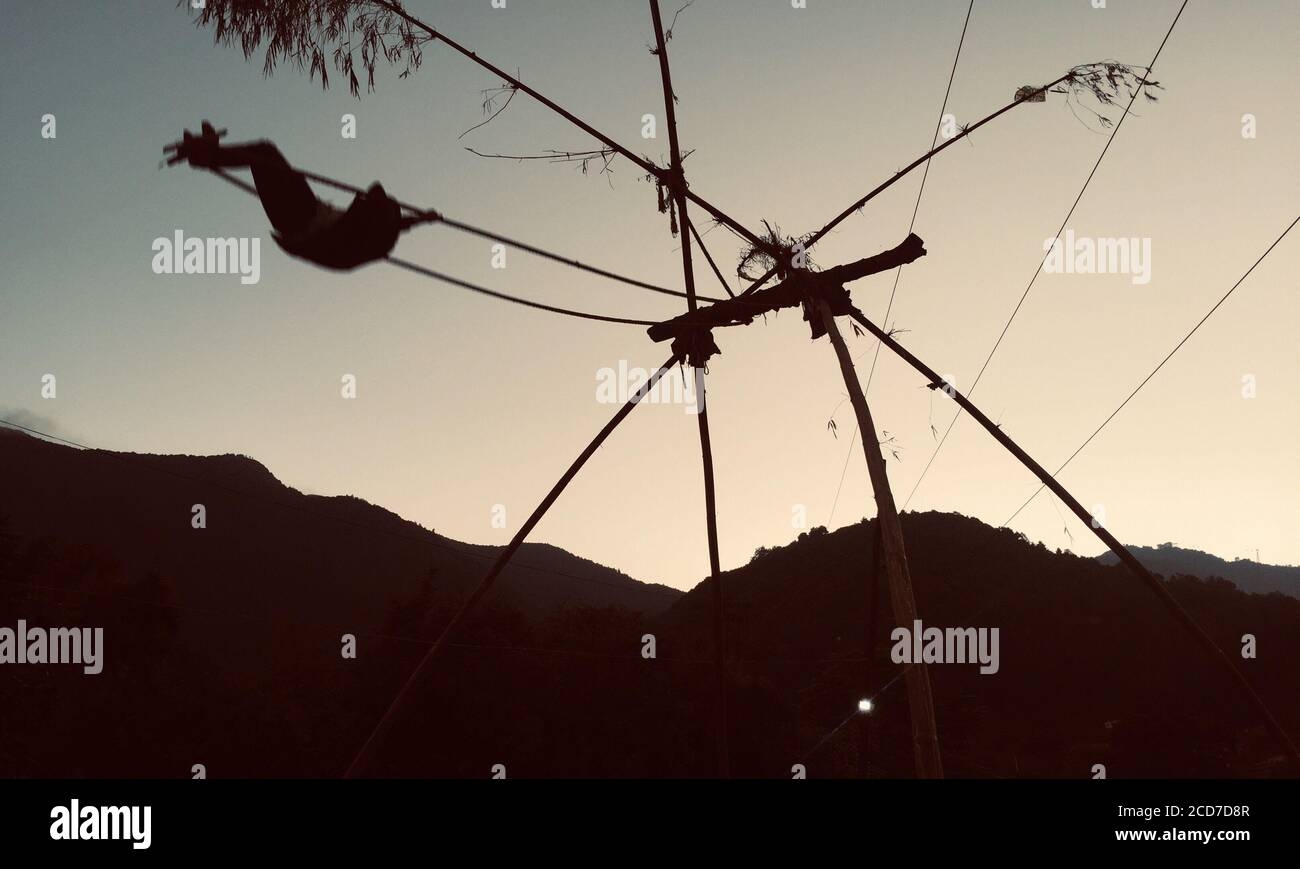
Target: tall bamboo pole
(644, 164)
(500, 564)
(677, 183)
(1181, 615)
(893, 555)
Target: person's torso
(346, 239)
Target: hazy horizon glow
(464, 403)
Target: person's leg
(368, 230)
(286, 196)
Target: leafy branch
(605, 156)
(490, 96)
(301, 32)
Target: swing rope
(417, 216)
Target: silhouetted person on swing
(304, 225)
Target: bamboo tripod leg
(715, 577)
(894, 558)
(679, 192)
(500, 564)
(1175, 608)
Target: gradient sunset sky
(465, 402)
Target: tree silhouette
(315, 35)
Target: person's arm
(205, 151)
(261, 154)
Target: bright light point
(864, 706)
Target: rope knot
(694, 346)
(817, 290)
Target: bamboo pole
(791, 292)
(898, 176)
(500, 564)
(658, 171)
(646, 165)
(677, 183)
(676, 179)
(690, 224)
(1175, 608)
(893, 555)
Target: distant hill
(223, 646)
(1250, 576)
(268, 548)
(1093, 668)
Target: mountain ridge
(223, 646)
(1250, 576)
(96, 497)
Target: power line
(1142, 572)
(881, 690)
(843, 471)
(897, 176)
(827, 737)
(1043, 261)
(666, 178)
(921, 191)
(910, 226)
(1146, 379)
